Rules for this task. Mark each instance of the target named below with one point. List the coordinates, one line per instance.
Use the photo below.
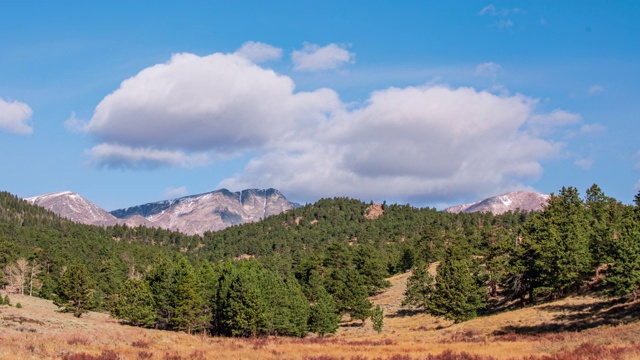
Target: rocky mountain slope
(211, 211)
(523, 200)
(194, 214)
(73, 207)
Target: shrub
(78, 340)
(105, 355)
(142, 344)
(143, 355)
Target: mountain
(73, 207)
(211, 211)
(522, 200)
(193, 214)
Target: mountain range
(194, 214)
(219, 209)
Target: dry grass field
(576, 328)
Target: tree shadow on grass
(404, 313)
(579, 317)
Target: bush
(18, 305)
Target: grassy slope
(610, 329)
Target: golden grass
(568, 329)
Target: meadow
(580, 327)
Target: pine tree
(189, 311)
(555, 253)
(164, 288)
(323, 318)
(377, 318)
(75, 291)
(420, 287)
(349, 292)
(244, 309)
(134, 303)
(624, 277)
(458, 295)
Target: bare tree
(15, 275)
(36, 269)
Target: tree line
(574, 244)
(310, 267)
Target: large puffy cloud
(430, 143)
(412, 143)
(312, 57)
(15, 117)
(220, 103)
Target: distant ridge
(517, 200)
(212, 211)
(194, 214)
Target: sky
(431, 103)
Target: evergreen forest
(306, 270)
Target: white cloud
(312, 57)
(74, 124)
(592, 129)
(15, 117)
(595, 89)
(221, 103)
(488, 69)
(259, 52)
(118, 156)
(584, 164)
(415, 143)
(410, 143)
(545, 124)
(175, 192)
(488, 10)
(491, 10)
(502, 14)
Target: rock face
(373, 212)
(190, 214)
(211, 211)
(522, 200)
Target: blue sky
(431, 103)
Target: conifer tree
(420, 287)
(323, 318)
(164, 286)
(624, 277)
(555, 254)
(189, 310)
(377, 318)
(244, 309)
(75, 291)
(349, 292)
(458, 295)
(134, 303)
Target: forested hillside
(305, 269)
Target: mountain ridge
(500, 204)
(192, 214)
